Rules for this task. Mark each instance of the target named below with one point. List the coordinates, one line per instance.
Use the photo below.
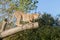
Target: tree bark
(17, 29)
(3, 26)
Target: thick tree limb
(17, 29)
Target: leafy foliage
(22, 5)
(27, 5)
(46, 19)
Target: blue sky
(49, 6)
